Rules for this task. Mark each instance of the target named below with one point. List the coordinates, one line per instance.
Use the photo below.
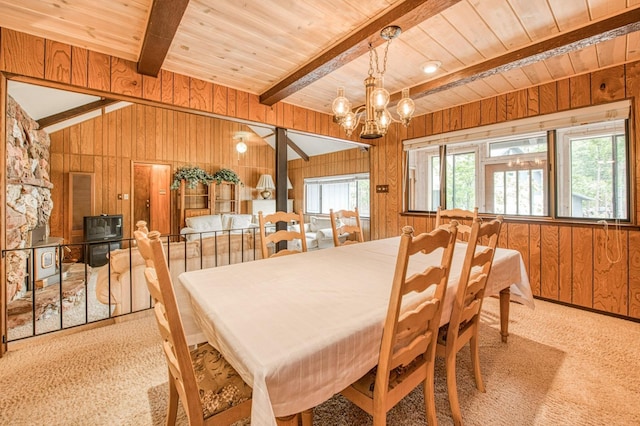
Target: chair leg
(172, 408)
(452, 388)
(429, 396)
(379, 415)
(307, 417)
(474, 346)
(291, 420)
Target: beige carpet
(561, 366)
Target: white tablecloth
(301, 328)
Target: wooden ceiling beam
(163, 23)
(293, 146)
(74, 112)
(297, 149)
(596, 32)
(406, 14)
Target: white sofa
(207, 225)
(319, 233)
(123, 277)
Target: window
(502, 176)
(516, 176)
(592, 162)
(338, 193)
(505, 168)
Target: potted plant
(192, 175)
(227, 175)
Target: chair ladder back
(347, 227)
(281, 235)
(475, 272)
(170, 323)
(465, 220)
(411, 334)
(463, 326)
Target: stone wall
(29, 201)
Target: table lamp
(265, 185)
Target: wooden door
(151, 196)
(81, 203)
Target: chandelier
(377, 116)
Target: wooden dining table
(301, 328)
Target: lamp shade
(265, 185)
(289, 186)
(265, 182)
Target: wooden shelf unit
(226, 197)
(194, 201)
(208, 199)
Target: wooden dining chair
(465, 316)
(211, 391)
(350, 220)
(407, 352)
(464, 218)
(292, 220)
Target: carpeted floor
(561, 366)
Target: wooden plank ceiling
(300, 51)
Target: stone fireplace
(29, 203)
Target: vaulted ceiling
(300, 51)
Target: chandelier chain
(384, 63)
(372, 52)
(373, 57)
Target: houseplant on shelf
(192, 175)
(227, 175)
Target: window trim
(630, 175)
(346, 178)
(604, 112)
(618, 110)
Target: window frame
(348, 178)
(567, 171)
(618, 110)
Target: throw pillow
(318, 223)
(240, 221)
(210, 222)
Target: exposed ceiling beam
(163, 23)
(74, 112)
(406, 14)
(596, 32)
(297, 149)
(293, 146)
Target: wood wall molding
(3, 214)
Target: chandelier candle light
(377, 116)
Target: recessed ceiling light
(430, 67)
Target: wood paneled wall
(36, 57)
(338, 163)
(566, 262)
(151, 134)
(108, 145)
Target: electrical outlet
(382, 188)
